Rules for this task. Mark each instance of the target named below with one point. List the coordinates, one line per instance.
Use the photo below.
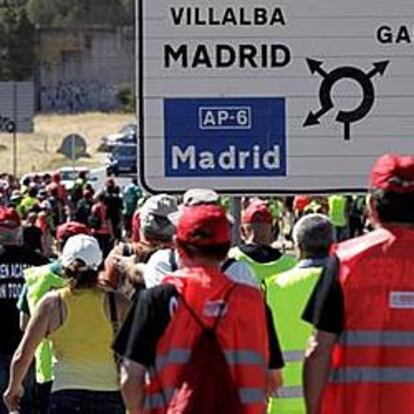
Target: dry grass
(37, 151)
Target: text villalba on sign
(232, 159)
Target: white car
(68, 175)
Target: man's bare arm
(317, 368)
(132, 386)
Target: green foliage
(80, 13)
(16, 45)
(127, 98)
(17, 32)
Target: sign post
(15, 112)
(293, 97)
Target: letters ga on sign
(272, 98)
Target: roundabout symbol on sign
(329, 80)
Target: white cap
(154, 216)
(82, 247)
(196, 196)
(159, 205)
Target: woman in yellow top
(77, 319)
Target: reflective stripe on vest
(294, 356)
(182, 356)
(290, 392)
(174, 356)
(247, 396)
(377, 338)
(373, 375)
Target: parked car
(123, 160)
(131, 128)
(127, 135)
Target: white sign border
(140, 110)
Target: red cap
(257, 212)
(9, 218)
(203, 225)
(393, 172)
(300, 202)
(70, 229)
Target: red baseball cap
(257, 212)
(203, 225)
(72, 228)
(394, 173)
(9, 218)
(300, 202)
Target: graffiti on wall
(78, 97)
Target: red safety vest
(373, 361)
(242, 333)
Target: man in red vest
(164, 326)
(361, 357)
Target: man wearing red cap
(14, 258)
(164, 325)
(361, 356)
(257, 231)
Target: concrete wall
(82, 70)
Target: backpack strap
(172, 260)
(227, 263)
(112, 311)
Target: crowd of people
(117, 301)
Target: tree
(22, 54)
(41, 12)
(78, 13)
(16, 45)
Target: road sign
(272, 98)
(225, 137)
(16, 107)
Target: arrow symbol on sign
(315, 66)
(378, 69)
(313, 118)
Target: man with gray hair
(125, 264)
(313, 236)
(287, 295)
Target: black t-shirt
(32, 237)
(261, 253)
(114, 207)
(83, 211)
(325, 309)
(148, 319)
(13, 260)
